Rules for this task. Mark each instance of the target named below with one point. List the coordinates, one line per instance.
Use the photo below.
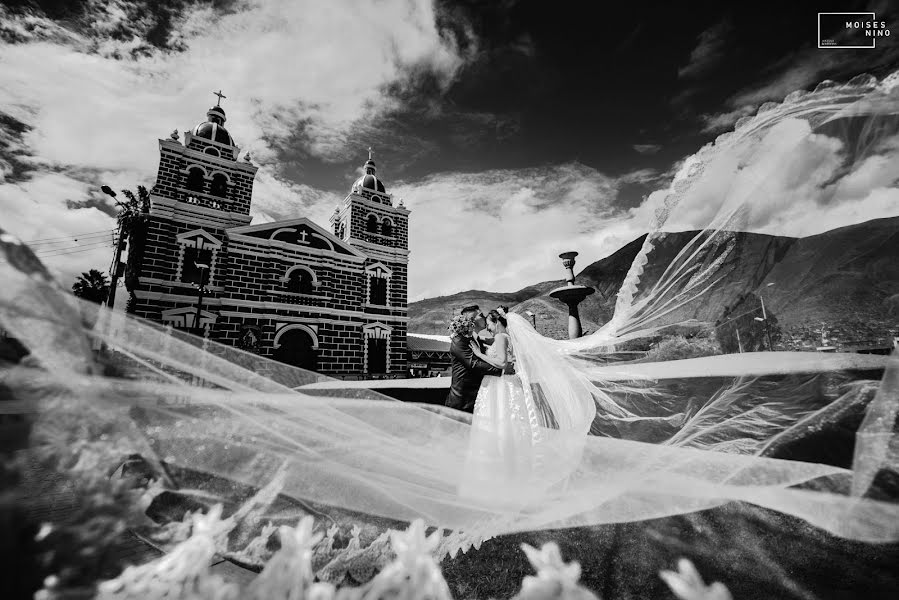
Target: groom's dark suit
(468, 371)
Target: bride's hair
(498, 314)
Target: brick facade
(331, 301)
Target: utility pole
(739, 343)
(120, 246)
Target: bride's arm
(497, 361)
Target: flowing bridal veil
(667, 438)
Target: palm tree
(134, 209)
(92, 286)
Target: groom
(468, 369)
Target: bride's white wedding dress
(502, 458)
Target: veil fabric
(622, 443)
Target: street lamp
(201, 289)
(764, 319)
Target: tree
(132, 219)
(92, 286)
(752, 334)
(133, 209)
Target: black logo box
(834, 33)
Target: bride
(521, 441)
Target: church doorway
(297, 348)
(377, 355)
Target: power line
(73, 250)
(80, 238)
(71, 237)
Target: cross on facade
(303, 236)
(220, 95)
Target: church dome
(214, 127)
(370, 182)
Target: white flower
(415, 573)
(688, 585)
(412, 545)
(555, 578)
(288, 574)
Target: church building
(330, 299)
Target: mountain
(846, 279)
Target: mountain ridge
(846, 279)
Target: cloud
(647, 148)
(717, 123)
(93, 94)
(789, 180)
(489, 230)
(708, 51)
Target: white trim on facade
(293, 223)
(385, 250)
(396, 210)
(286, 318)
(311, 309)
(373, 330)
(181, 284)
(301, 326)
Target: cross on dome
(220, 95)
(369, 153)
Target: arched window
(299, 281)
(372, 226)
(341, 231)
(195, 179)
(386, 227)
(219, 185)
(211, 150)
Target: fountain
(572, 295)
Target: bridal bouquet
(462, 325)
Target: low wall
(427, 390)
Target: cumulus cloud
(502, 230)
(94, 95)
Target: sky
(513, 130)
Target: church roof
(297, 231)
(214, 132)
(370, 182)
(419, 342)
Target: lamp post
(201, 289)
(120, 246)
(764, 319)
(571, 295)
(533, 318)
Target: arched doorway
(296, 347)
